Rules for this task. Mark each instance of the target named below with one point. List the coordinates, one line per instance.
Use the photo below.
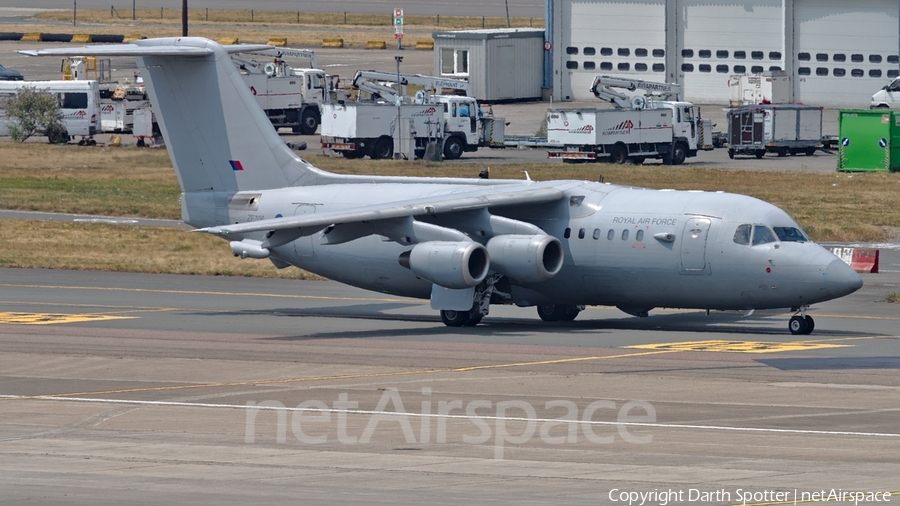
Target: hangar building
(837, 52)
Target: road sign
(398, 13)
(398, 35)
(398, 29)
(398, 21)
(547, 45)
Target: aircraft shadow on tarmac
(699, 322)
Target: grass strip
(118, 248)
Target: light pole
(184, 13)
(398, 59)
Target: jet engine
(526, 258)
(249, 249)
(449, 264)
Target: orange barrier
(860, 259)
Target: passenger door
(693, 246)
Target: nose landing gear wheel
(799, 325)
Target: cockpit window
(762, 235)
(790, 234)
(742, 234)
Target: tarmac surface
(148, 389)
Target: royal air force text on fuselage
(634, 220)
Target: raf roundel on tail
(465, 243)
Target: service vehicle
(887, 97)
(79, 102)
(358, 129)
(774, 128)
(466, 125)
(638, 128)
(291, 97)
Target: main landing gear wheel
(460, 318)
(800, 325)
(558, 313)
(454, 318)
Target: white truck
(358, 129)
(887, 97)
(639, 127)
(291, 97)
(79, 103)
(465, 126)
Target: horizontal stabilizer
(138, 49)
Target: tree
(32, 112)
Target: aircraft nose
(841, 279)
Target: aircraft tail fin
(218, 137)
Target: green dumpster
(869, 140)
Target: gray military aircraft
(466, 243)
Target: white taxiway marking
(448, 416)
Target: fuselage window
(596, 233)
(567, 233)
(639, 236)
(790, 234)
(610, 234)
(762, 235)
(742, 235)
(625, 235)
(581, 233)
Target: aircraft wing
(436, 204)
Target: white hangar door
(844, 51)
(720, 39)
(609, 38)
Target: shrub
(33, 111)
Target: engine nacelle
(449, 264)
(249, 249)
(526, 258)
